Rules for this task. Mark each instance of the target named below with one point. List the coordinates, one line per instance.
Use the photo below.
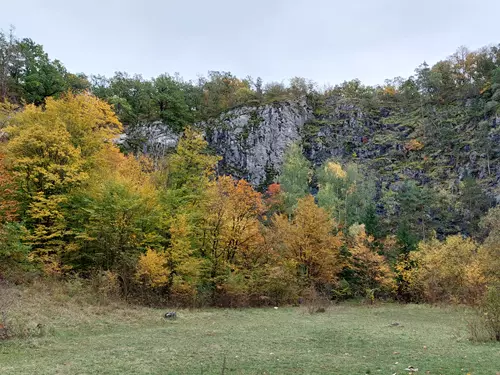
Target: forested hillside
(232, 191)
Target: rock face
(342, 131)
(252, 140)
(154, 138)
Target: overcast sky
(329, 41)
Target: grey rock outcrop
(252, 140)
(154, 138)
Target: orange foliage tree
(274, 199)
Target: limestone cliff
(153, 138)
(252, 141)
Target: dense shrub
(444, 271)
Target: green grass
(346, 339)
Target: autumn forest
(178, 228)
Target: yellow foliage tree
(371, 273)
(8, 205)
(89, 121)
(120, 213)
(45, 166)
(335, 169)
(309, 241)
(7, 110)
(50, 153)
(232, 235)
(176, 268)
(183, 264)
(152, 269)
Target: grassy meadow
(62, 333)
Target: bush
(13, 324)
(279, 285)
(314, 301)
(233, 292)
(490, 309)
(485, 324)
(105, 286)
(13, 252)
(448, 271)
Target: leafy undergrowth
(83, 337)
